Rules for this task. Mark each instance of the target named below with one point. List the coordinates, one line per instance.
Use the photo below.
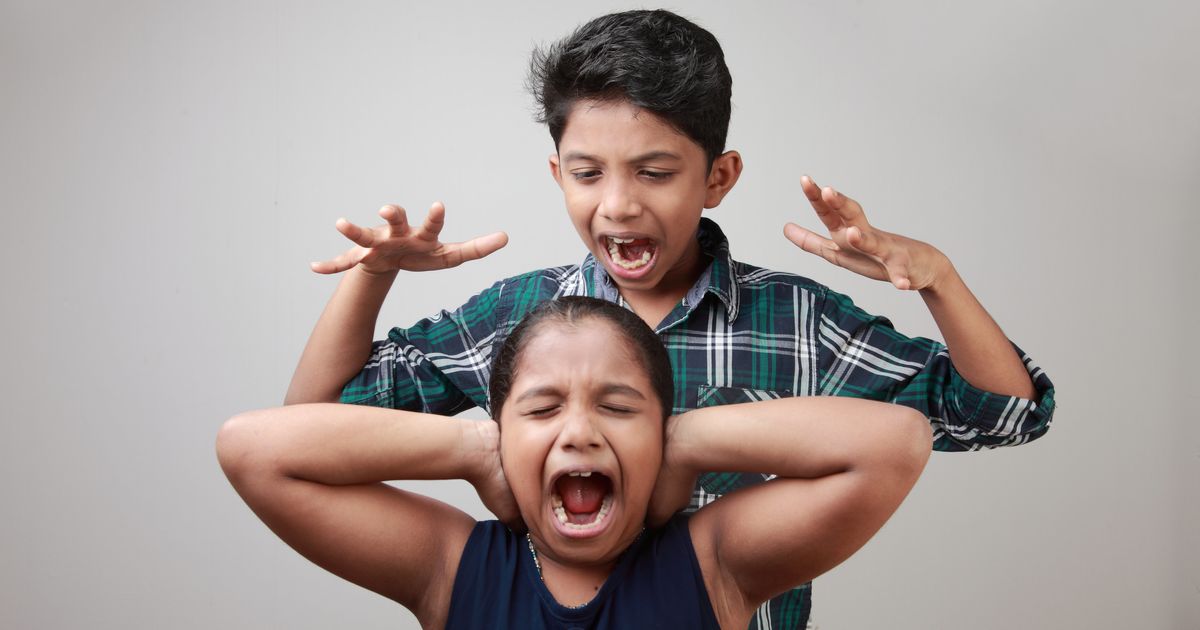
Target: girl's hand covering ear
(489, 480)
(673, 489)
(855, 244)
(396, 245)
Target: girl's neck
(572, 585)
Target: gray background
(168, 170)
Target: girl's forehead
(567, 351)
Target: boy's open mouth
(631, 254)
(582, 501)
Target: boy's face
(635, 188)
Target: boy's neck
(654, 304)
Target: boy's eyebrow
(645, 157)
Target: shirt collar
(718, 278)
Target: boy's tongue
(582, 495)
(633, 251)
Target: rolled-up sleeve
(441, 364)
(862, 355)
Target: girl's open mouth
(581, 502)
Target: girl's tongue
(583, 495)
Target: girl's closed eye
(542, 412)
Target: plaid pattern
(742, 333)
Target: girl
(581, 454)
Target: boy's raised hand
(855, 244)
(397, 246)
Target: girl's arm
(844, 466)
(313, 474)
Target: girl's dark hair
(655, 60)
(640, 342)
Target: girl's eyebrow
(619, 388)
(544, 390)
(606, 389)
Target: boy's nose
(618, 203)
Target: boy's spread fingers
(435, 219)
(395, 216)
(810, 188)
(364, 238)
(865, 241)
(477, 248)
(337, 265)
(847, 209)
(811, 242)
(828, 216)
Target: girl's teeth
(561, 514)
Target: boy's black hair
(643, 346)
(655, 60)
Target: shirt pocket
(717, 484)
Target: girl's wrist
(480, 452)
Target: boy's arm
(341, 341)
(978, 348)
(978, 390)
(843, 467)
(312, 473)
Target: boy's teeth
(580, 474)
(614, 251)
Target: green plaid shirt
(742, 333)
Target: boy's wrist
(376, 276)
(945, 277)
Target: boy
(638, 106)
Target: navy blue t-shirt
(656, 584)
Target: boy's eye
(585, 175)
(617, 409)
(657, 175)
(541, 412)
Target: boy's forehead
(618, 126)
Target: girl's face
(581, 441)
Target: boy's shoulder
(546, 282)
(756, 283)
(753, 276)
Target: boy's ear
(721, 177)
(554, 169)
